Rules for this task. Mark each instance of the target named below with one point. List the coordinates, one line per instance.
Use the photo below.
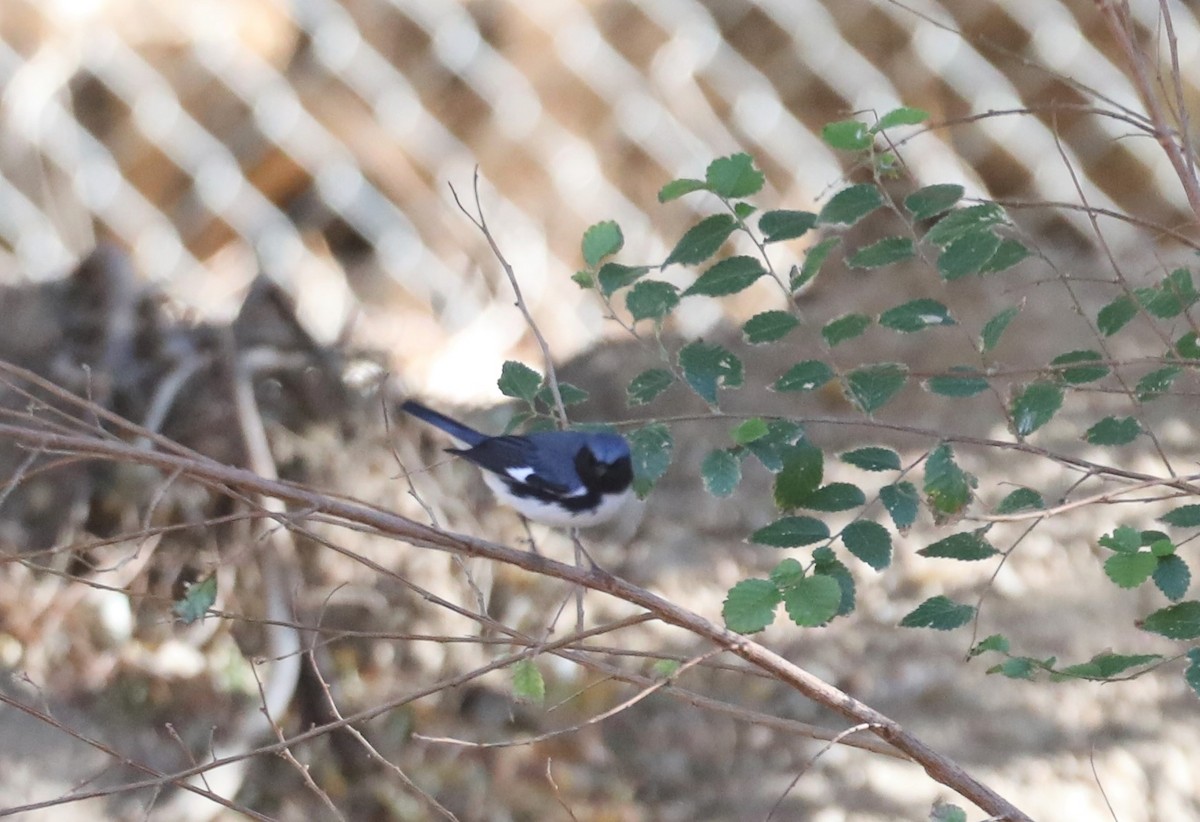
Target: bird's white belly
(550, 514)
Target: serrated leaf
(1181, 621)
(803, 468)
(1114, 316)
(851, 204)
(1157, 382)
(1191, 674)
(750, 606)
(870, 542)
(940, 613)
(873, 386)
(995, 327)
(873, 458)
(1114, 431)
(1019, 667)
(959, 381)
(528, 685)
(1188, 346)
(916, 315)
(651, 447)
(702, 240)
(1080, 374)
(571, 395)
(722, 472)
(882, 252)
(1008, 253)
(614, 276)
(827, 564)
(847, 135)
(519, 381)
(845, 327)
(967, 254)
(945, 812)
(583, 279)
(733, 177)
(729, 276)
(1185, 516)
(813, 260)
(750, 431)
(1172, 576)
(931, 201)
(1130, 570)
(771, 449)
(1124, 539)
(677, 188)
(962, 221)
(768, 326)
(791, 532)
(804, 376)
(707, 367)
(903, 116)
(813, 601)
(995, 642)
(788, 573)
(947, 487)
(968, 546)
(836, 496)
(1034, 406)
(785, 225)
(601, 240)
(651, 300)
(743, 210)
(1106, 666)
(901, 501)
(1022, 499)
(648, 385)
(197, 599)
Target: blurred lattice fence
(322, 136)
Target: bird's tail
(454, 428)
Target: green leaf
(916, 315)
(931, 201)
(677, 188)
(968, 546)
(967, 254)
(1106, 666)
(882, 252)
(743, 210)
(664, 668)
(813, 601)
(945, 812)
(651, 447)
(571, 395)
(813, 260)
(614, 276)
(904, 116)
(959, 381)
(1185, 516)
(1130, 570)
(947, 487)
(750, 431)
(1172, 576)
(768, 326)
(702, 240)
(1114, 316)
(836, 496)
(750, 606)
(825, 563)
(707, 367)
(995, 642)
(901, 502)
(1181, 621)
(583, 279)
(197, 599)
(870, 542)
(601, 240)
(994, 327)
(772, 448)
(804, 376)
(722, 472)
(729, 276)
(939, 613)
(845, 327)
(1114, 431)
(733, 177)
(785, 225)
(851, 204)
(847, 135)
(1080, 374)
(1124, 539)
(803, 468)
(873, 458)
(962, 221)
(791, 532)
(1157, 382)
(1008, 253)
(873, 386)
(519, 381)
(651, 300)
(788, 573)
(1034, 406)
(528, 685)
(648, 385)
(1188, 346)
(1192, 674)
(1022, 499)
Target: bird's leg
(529, 535)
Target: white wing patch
(520, 474)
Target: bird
(572, 479)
